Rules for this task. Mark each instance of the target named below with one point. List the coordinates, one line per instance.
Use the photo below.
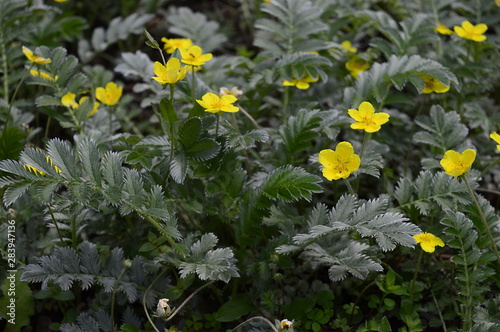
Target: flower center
(341, 166)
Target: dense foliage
(246, 165)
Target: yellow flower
(496, 138)
(347, 45)
(109, 95)
(215, 104)
(428, 241)
(173, 43)
(267, 1)
(356, 66)
(60, 0)
(234, 91)
(194, 56)
(285, 324)
(456, 164)
(41, 74)
(443, 29)
(69, 100)
(471, 32)
(433, 85)
(366, 118)
(497, 2)
(339, 164)
(302, 83)
(34, 58)
(170, 73)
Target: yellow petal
(459, 31)
(353, 113)
(480, 28)
(68, 100)
(228, 99)
(344, 148)
(372, 128)
(467, 26)
(330, 174)
(478, 38)
(173, 63)
(494, 136)
(381, 118)
(326, 157)
(358, 125)
(302, 85)
(468, 157)
(366, 108)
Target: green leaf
(178, 168)
(190, 131)
(246, 141)
(443, 130)
(203, 149)
(62, 154)
(299, 130)
(151, 42)
(384, 325)
(235, 309)
(11, 142)
(195, 26)
(168, 111)
(90, 159)
(13, 192)
(289, 184)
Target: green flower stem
(187, 299)
(12, 99)
(5, 67)
(110, 118)
(349, 187)
(144, 299)
(47, 126)
(494, 246)
(193, 85)
(410, 141)
(412, 284)
(351, 316)
(173, 141)
(75, 120)
(162, 56)
(73, 232)
(249, 117)
(443, 323)
(436, 19)
(112, 314)
(286, 101)
(217, 115)
(160, 229)
(366, 138)
(55, 223)
(256, 318)
(487, 167)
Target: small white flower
(234, 91)
(286, 324)
(163, 309)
